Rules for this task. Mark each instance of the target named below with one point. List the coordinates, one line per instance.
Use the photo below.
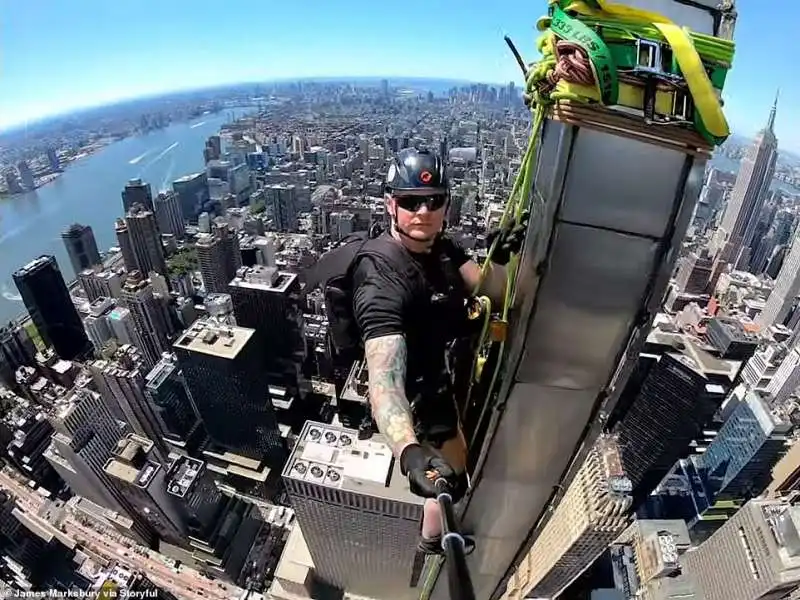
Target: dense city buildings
(178, 405)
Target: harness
(437, 327)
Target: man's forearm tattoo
(386, 362)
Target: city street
(188, 583)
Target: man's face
(419, 214)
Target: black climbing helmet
(416, 170)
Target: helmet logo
(425, 177)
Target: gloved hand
(510, 239)
(423, 467)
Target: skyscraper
(221, 549)
(759, 547)
(283, 200)
(16, 350)
(81, 247)
(265, 299)
(167, 391)
(192, 191)
(357, 515)
(675, 400)
(739, 461)
(137, 192)
(646, 561)
(786, 379)
(101, 284)
(785, 290)
(125, 244)
(592, 513)
(150, 316)
(167, 209)
(121, 383)
(96, 323)
(37, 558)
(26, 175)
(53, 160)
(86, 433)
(219, 257)
(223, 367)
(140, 475)
(49, 304)
(145, 241)
(749, 192)
(694, 274)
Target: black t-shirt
(387, 302)
(382, 297)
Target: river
(89, 192)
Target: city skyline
(183, 410)
(467, 45)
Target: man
(407, 323)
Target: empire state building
(748, 194)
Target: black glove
(510, 239)
(416, 462)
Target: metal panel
(595, 284)
(694, 17)
(535, 419)
(621, 184)
(553, 153)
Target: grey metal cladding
(612, 232)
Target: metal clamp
(649, 57)
(682, 105)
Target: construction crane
(626, 112)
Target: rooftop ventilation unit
(333, 478)
(315, 434)
(316, 474)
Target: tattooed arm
(386, 363)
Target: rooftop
(163, 369)
(35, 264)
(356, 387)
(260, 277)
(119, 313)
(130, 474)
(695, 355)
(183, 474)
(333, 456)
(190, 177)
(222, 341)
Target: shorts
(436, 419)
(453, 450)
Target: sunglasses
(414, 203)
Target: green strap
(603, 67)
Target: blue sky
(57, 55)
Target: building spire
(773, 112)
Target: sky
(60, 55)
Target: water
(88, 192)
(724, 163)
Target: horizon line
(6, 129)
